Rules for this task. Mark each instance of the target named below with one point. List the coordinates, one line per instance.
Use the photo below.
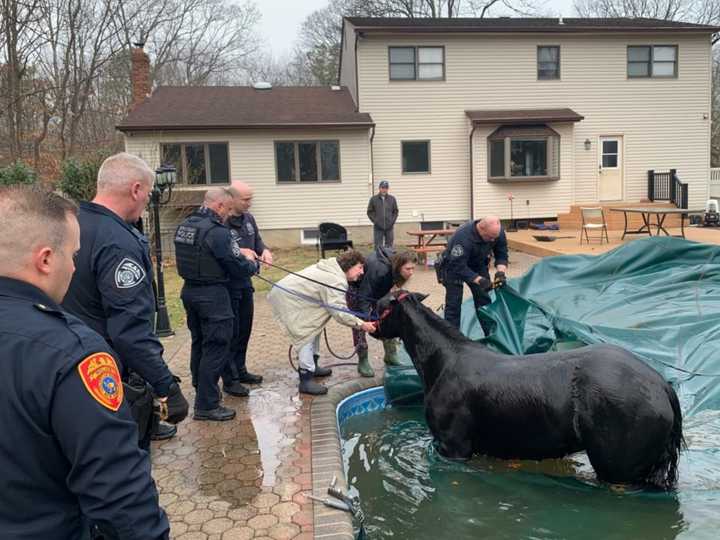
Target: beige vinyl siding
(347, 69)
(661, 120)
(286, 205)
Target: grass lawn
(292, 259)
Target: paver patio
(246, 478)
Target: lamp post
(164, 180)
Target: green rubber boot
(391, 356)
(364, 367)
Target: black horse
(599, 398)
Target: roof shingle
(523, 116)
(243, 107)
(518, 24)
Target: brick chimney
(139, 75)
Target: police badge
(457, 251)
(128, 274)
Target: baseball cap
(384, 183)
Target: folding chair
(593, 219)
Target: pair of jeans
(306, 354)
(210, 321)
(453, 301)
(383, 238)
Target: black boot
(249, 378)
(308, 386)
(236, 389)
(320, 371)
(163, 432)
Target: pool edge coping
(326, 452)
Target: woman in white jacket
(305, 314)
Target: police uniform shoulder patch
(250, 229)
(128, 274)
(100, 375)
(235, 248)
(457, 251)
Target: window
(548, 62)
(524, 153)
(417, 63)
(198, 163)
(652, 61)
(415, 157)
(309, 236)
(307, 161)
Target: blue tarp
(658, 297)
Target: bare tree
(321, 31)
(697, 11)
(19, 39)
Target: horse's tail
(664, 473)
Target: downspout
(357, 90)
(472, 180)
(372, 163)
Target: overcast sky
(281, 19)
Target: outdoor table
(425, 240)
(660, 215)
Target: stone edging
(331, 524)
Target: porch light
(587, 144)
(165, 177)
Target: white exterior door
(610, 166)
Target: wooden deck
(524, 241)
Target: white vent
(335, 88)
(262, 85)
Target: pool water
(408, 491)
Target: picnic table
(660, 215)
(426, 241)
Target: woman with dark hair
(306, 310)
(385, 269)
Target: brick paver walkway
(246, 478)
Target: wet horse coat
(599, 398)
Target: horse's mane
(436, 321)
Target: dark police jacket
(68, 444)
(246, 234)
(112, 292)
(377, 279)
(467, 255)
(206, 253)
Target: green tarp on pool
(658, 297)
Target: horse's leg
(622, 439)
(453, 433)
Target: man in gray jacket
(383, 212)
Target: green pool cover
(658, 297)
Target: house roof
(523, 116)
(516, 24)
(243, 107)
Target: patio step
(572, 220)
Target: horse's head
(390, 308)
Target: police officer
(466, 260)
(246, 234)
(71, 466)
(207, 258)
(112, 291)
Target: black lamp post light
(165, 177)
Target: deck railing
(666, 186)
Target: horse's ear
(420, 297)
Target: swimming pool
(408, 491)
